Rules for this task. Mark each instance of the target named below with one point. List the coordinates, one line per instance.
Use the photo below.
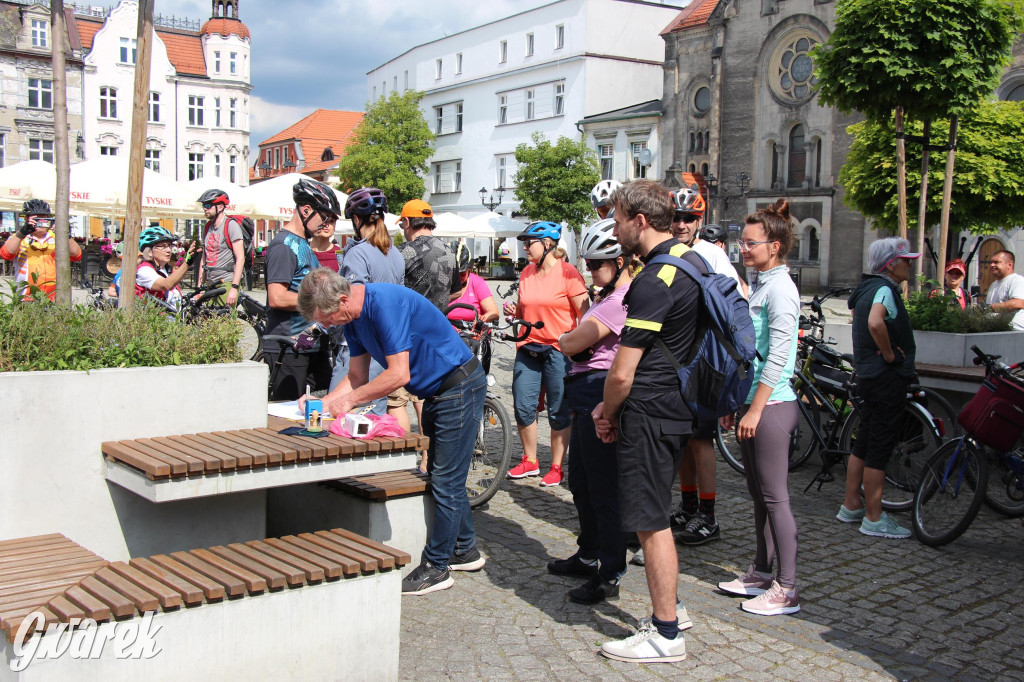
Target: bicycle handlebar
(520, 329)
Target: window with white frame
(606, 152)
(437, 178)
(128, 51)
(108, 151)
(439, 120)
(559, 99)
(394, 84)
(504, 176)
(216, 112)
(639, 170)
(216, 61)
(154, 107)
(529, 44)
(195, 111)
(502, 109)
(233, 113)
(374, 92)
(530, 104)
(233, 63)
(40, 30)
(232, 162)
(503, 52)
(458, 117)
(108, 102)
(40, 93)
(458, 177)
(216, 165)
(448, 118)
(406, 81)
(277, 158)
(3, 153)
(153, 160)
(458, 63)
(40, 150)
(195, 166)
(383, 88)
(438, 64)
(559, 36)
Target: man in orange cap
(430, 267)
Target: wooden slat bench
(57, 578)
(212, 463)
(395, 507)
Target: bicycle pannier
(995, 415)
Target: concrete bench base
(403, 523)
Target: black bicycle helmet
(462, 257)
(366, 201)
(214, 196)
(317, 195)
(714, 233)
(36, 207)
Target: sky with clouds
(308, 54)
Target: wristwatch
(234, 286)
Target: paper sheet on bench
(289, 409)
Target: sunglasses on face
(686, 218)
(594, 264)
(527, 243)
(42, 222)
(208, 204)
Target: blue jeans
(451, 422)
(594, 480)
(341, 363)
(528, 374)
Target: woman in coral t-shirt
(553, 292)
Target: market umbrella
(501, 225)
(272, 199)
(27, 180)
(195, 189)
(101, 186)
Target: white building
(489, 88)
(199, 91)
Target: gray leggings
(766, 462)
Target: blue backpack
(715, 378)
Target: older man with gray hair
(883, 350)
(420, 350)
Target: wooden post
(61, 228)
(947, 199)
(922, 207)
(136, 158)
(901, 174)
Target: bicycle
(955, 480)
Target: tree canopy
(988, 187)
(935, 58)
(390, 149)
(553, 181)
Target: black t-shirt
(662, 301)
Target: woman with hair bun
(768, 420)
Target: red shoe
(553, 477)
(524, 468)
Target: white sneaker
(646, 646)
(681, 616)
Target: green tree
(988, 188)
(390, 149)
(553, 181)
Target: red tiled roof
(225, 27)
(321, 129)
(185, 51)
(695, 14)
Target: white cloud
(268, 118)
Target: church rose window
(792, 70)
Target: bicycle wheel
(941, 408)
(250, 342)
(801, 447)
(950, 493)
(491, 454)
(1005, 491)
(915, 443)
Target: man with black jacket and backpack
(223, 261)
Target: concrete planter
(53, 473)
(943, 348)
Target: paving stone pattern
(872, 609)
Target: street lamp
(265, 167)
(288, 165)
(491, 204)
(743, 180)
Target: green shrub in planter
(943, 314)
(38, 335)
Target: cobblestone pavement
(872, 609)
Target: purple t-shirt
(611, 313)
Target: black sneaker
(425, 579)
(574, 565)
(699, 530)
(467, 561)
(680, 517)
(593, 591)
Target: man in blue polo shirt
(421, 351)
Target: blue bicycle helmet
(541, 229)
(154, 235)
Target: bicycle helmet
(602, 191)
(36, 207)
(365, 202)
(714, 233)
(689, 200)
(154, 235)
(462, 257)
(598, 242)
(317, 195)
(541, 229)
(214, 196)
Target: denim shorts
(529, 372)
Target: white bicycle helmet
(602, 190)
(598, 242)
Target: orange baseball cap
(415, 208)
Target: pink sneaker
(553, 477)
(750, 584)
(776, 601)
(524, 468)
